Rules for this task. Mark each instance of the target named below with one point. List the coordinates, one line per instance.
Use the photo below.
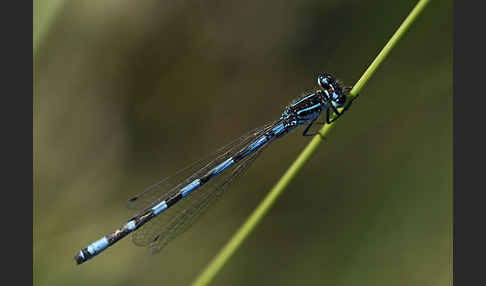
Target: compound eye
(323, 81)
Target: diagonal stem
(207, 275)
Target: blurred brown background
(131, 91)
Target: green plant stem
(207, 275)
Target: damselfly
(182, 198)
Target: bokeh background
(127, 92)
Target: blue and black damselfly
(182, 198)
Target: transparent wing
(187, 213)
(180, 216)
(170, 185)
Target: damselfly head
(332, 89)
(325, 80)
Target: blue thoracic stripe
(302, 99)
(191, 187)
(98, 246)
(308, 108)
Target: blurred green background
(131, 91)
